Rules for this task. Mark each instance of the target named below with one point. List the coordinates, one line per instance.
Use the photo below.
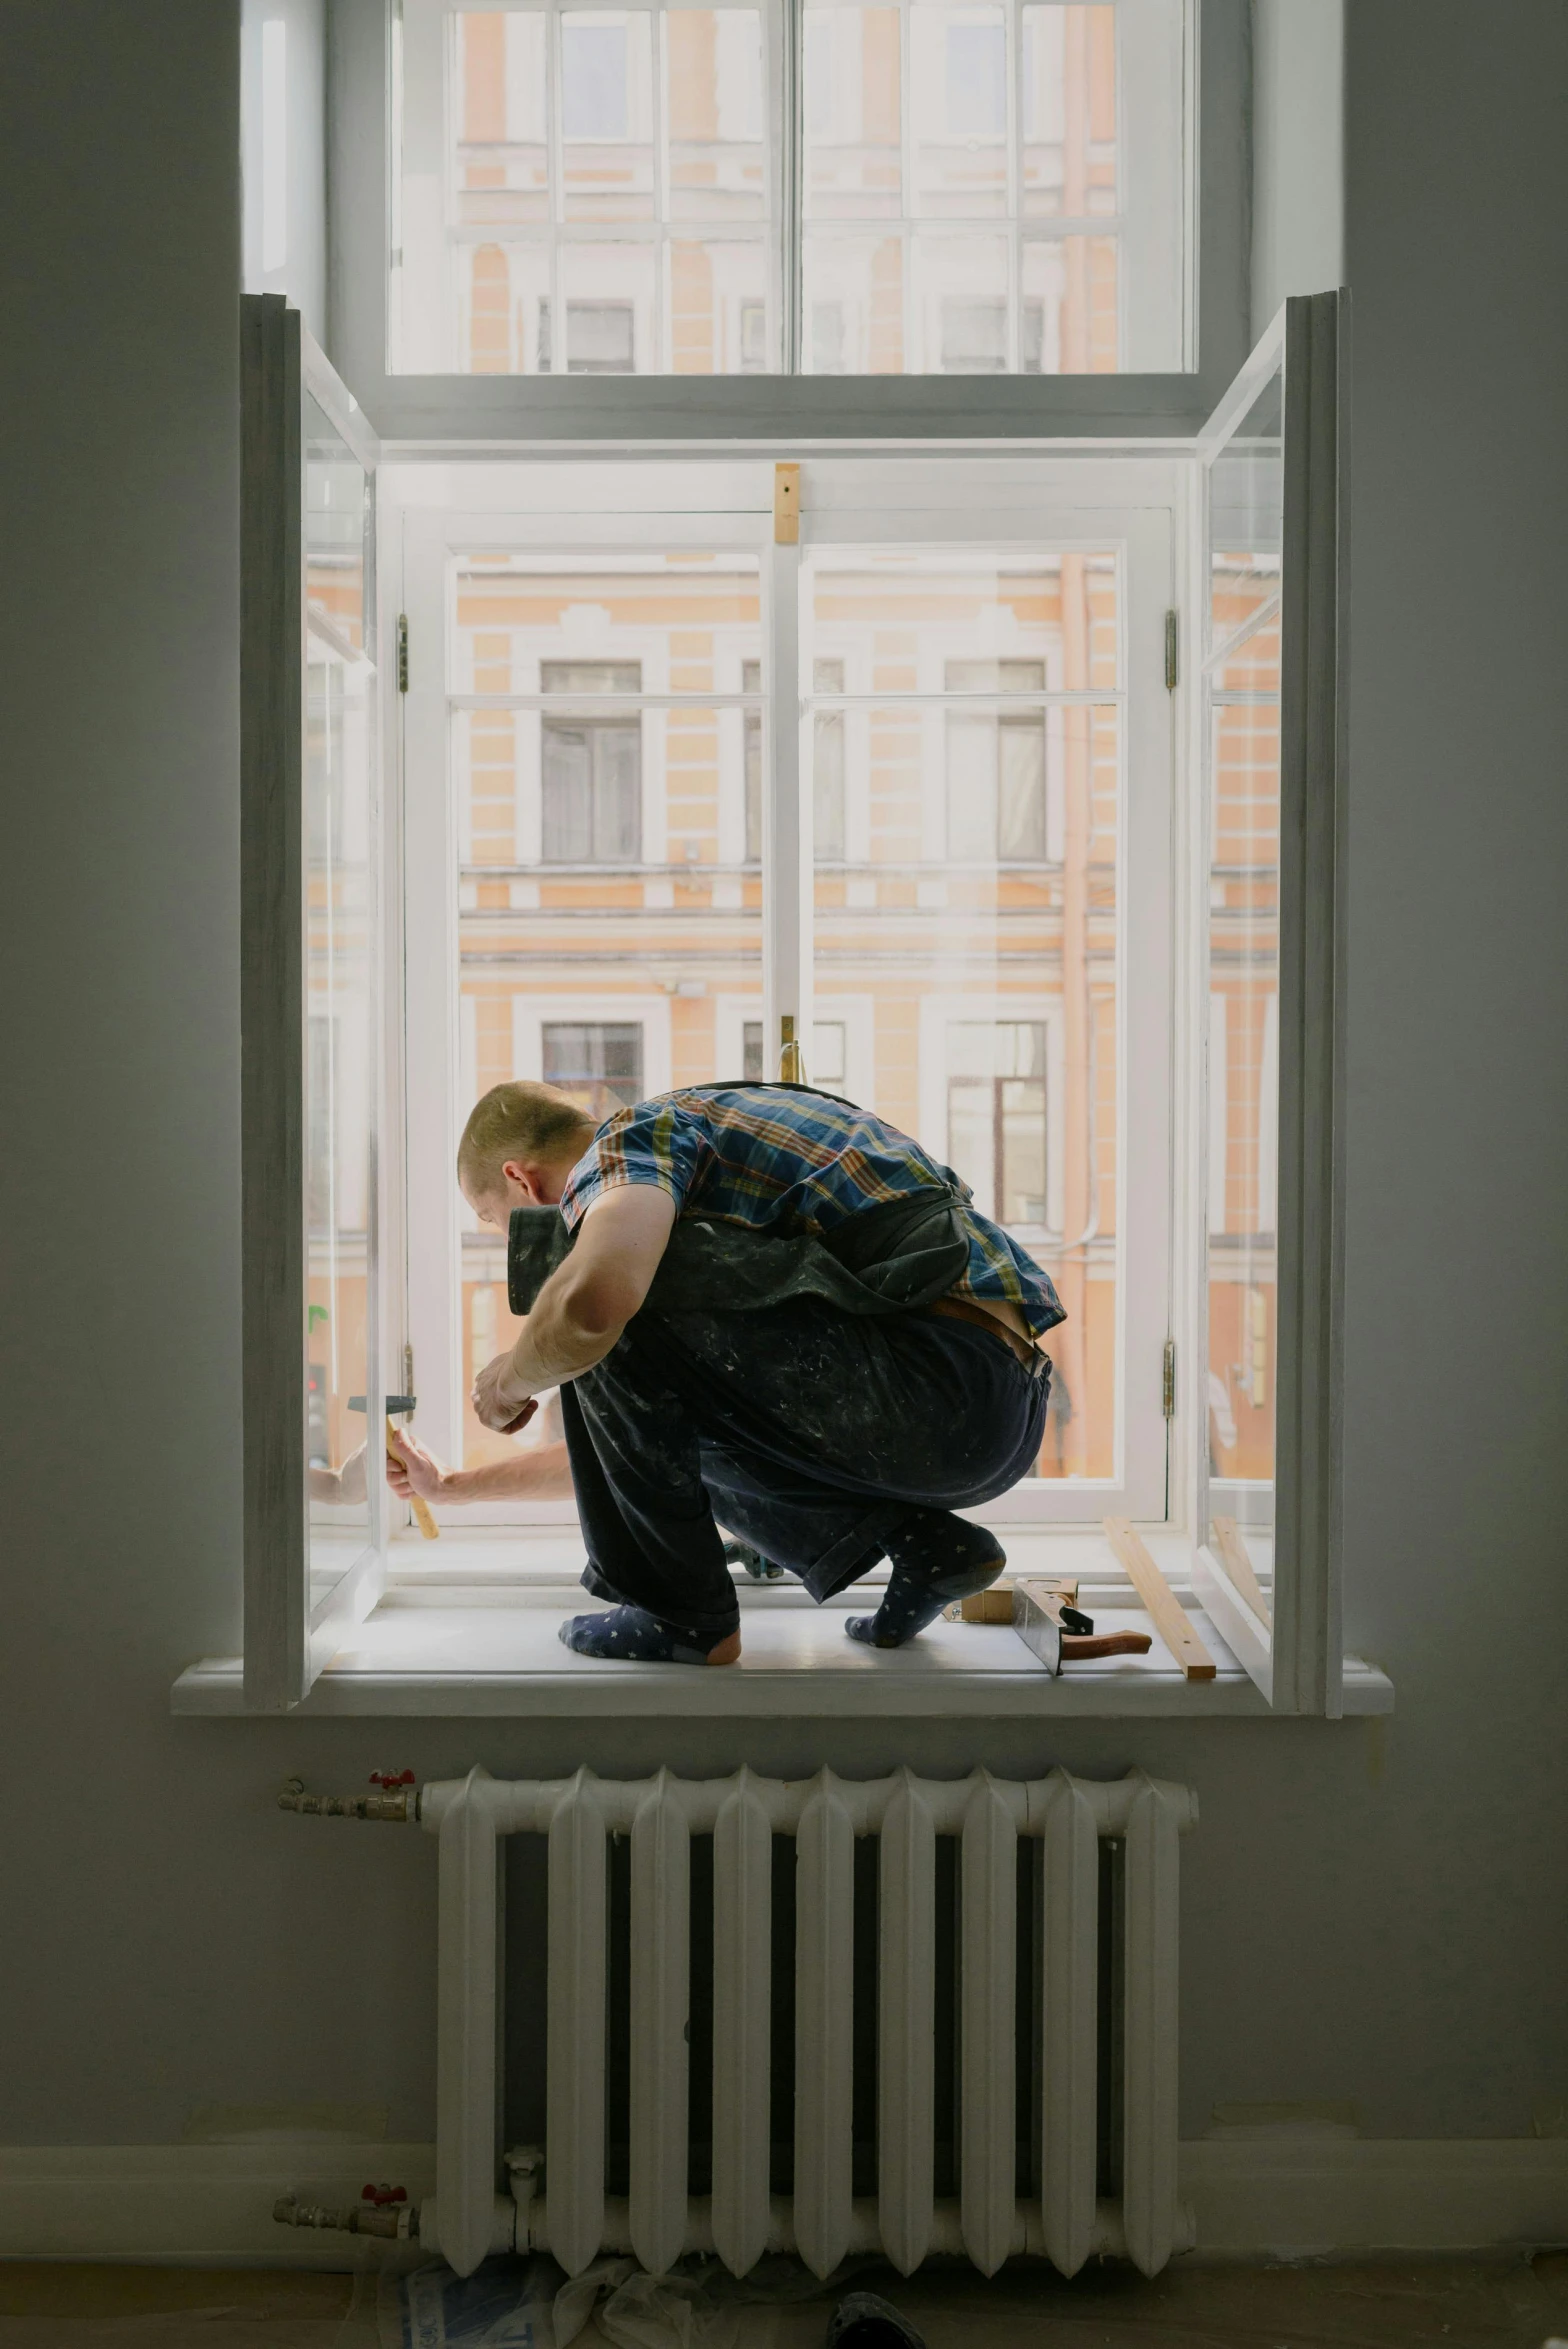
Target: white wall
(1372, 1913)
(284, 153)
(1297, 151)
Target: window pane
(718, 164)
(338, 1111)
(524, 131)
(609, 928)
(976, 113)
(1245, 490)
(853, 305)
(973, 912)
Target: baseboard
(1304, 2196)
(190, 2204)
(1281, 2197)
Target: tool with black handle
(1059, 1634)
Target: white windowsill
(469, 1631)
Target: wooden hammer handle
(1104, 1643)
(417, 1502)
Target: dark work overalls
(794, 1390)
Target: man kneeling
(774, 1310)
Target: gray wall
(1369, 1914)
(1298, 224)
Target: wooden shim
(1231, 1550)
(994, 1604)
(1160, 1602)
(786, 505)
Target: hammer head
(395, 1406)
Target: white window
(941, 188)
(930, 783)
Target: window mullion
(786, 839)
(788, 193)
(552, 101)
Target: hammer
(403, 1405)
(1058, 1634)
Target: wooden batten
(1160, 1603)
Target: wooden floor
(1390, 2304)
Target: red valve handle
(382, 2195)
(391, 1778)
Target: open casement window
(908, 782)
(314, 1513)
(1272, 754)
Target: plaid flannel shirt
(792, 1163)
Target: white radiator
(561, 2204)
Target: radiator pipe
(395, 2223)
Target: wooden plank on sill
(1160, 1602)
(1233, 1556)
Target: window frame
(1296, 1658)
(1075, 502)
(288, 1634)
(667, 410)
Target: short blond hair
(532, 1123)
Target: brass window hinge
(402, 652)
(1172, 661)
(1168, 1380)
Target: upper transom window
(913, 187)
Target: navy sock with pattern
(630, 1635)
(936, 1558)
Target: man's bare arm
(585, 1304)
(541, 1472)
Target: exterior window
(599, 1064)
(827, 765)
(592, 771)
(987, 187)
(996, 1118)
(996, 765)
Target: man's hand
(498, 1404)
(411, 1469)
(585, 1304)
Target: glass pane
(525, 131)
(966, 907)
(338, 1043)
(714, 70)
(610, 902)
(606, 91)
(719, 321)
(611, 299)
(976, 113)
(852, 113)
(1245, 490)
(853, 305)
(958, 69)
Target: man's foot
(936, 1558)
(630, 1635)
